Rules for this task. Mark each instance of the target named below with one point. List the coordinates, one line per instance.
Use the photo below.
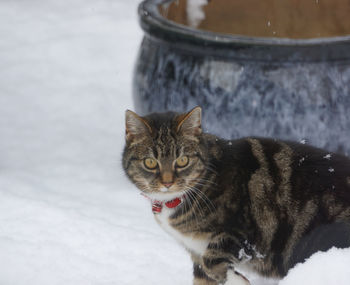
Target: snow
(195, 12)
(243, 255)
(322, 268)
(68, 215)
(301, 160)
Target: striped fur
(257, 203)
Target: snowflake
(328, 156)
(259, 255)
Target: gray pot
(281, 88)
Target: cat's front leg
(225, 275)
(217, 261)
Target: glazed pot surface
(281, 88)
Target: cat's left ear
(136, 127)
(190, 123)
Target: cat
(255, 204)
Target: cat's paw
(218, 272)
(234, 278)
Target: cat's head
(164, 156)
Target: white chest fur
(194, 244)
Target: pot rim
(155, 24)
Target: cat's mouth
(163, 196)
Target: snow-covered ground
(67, 213)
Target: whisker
(202, 180)
(196, 204)
(185, 209)
(190, 206)
(195, 207)
(211, 167)
(205, 199)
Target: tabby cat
(254, 203)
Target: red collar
(157, 206)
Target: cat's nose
(168, 184)
(167, 178)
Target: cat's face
(163, 155)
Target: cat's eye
(150, 163)
(182, 161)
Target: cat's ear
(136, 127)
(190, 124)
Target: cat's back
(296, 171)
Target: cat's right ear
(136, 127)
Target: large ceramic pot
(289, 88)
